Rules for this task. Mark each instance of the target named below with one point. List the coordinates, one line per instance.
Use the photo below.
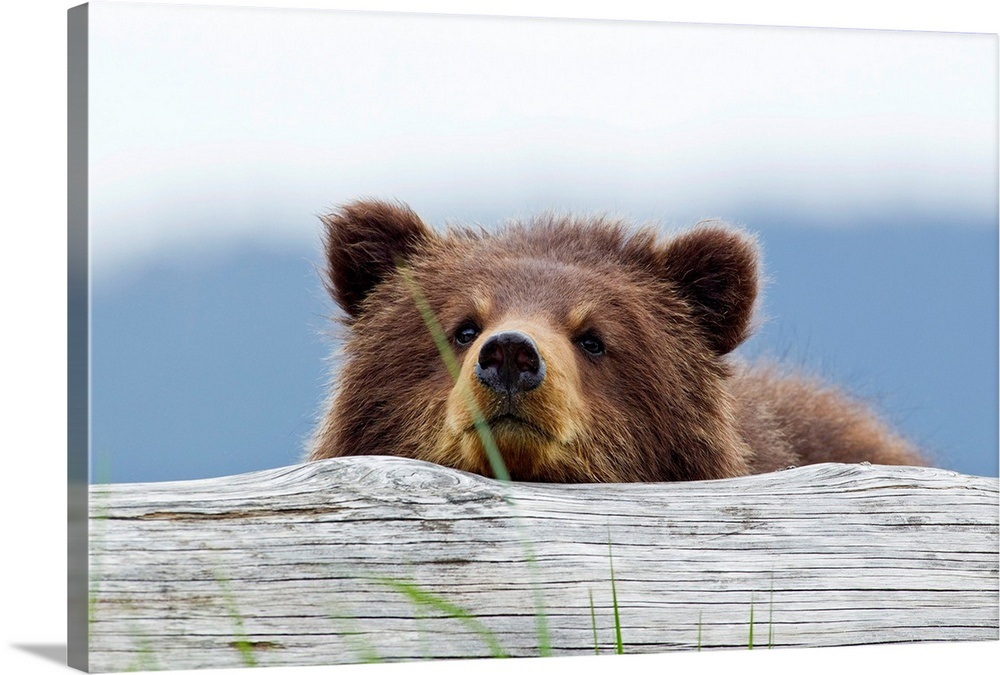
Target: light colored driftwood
(308, 564)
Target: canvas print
(399, 337)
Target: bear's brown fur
(596, 353)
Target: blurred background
(866, 161)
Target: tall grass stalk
(619, 647)
(242, 641)
(770, 617)
(448, 356)
(750, 640)
(593, 622)
(699, 631)
(489, 446)
(425, 598)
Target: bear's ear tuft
(715, 269)
(364, 242)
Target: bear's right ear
(364, 242)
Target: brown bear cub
(596, 353)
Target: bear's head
(592, 352)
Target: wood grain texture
(309, 564)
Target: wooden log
(382, 558)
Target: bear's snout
(509, 363)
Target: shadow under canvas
(50, 652)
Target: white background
(33, 272)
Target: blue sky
(866, 160)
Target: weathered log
(385, 558)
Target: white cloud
(209, 122)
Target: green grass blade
(497, 465)
(699, 631)
(770, 617)
(427, 599)
(619, 646)
(593, 622)
(541, 623)
(750, 641)
(242, 641)
(448, 356)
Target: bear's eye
(591, 344)
(466, 333)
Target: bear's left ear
(715, 269)
(365, 241)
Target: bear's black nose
(509, 363)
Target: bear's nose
(509, 363)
